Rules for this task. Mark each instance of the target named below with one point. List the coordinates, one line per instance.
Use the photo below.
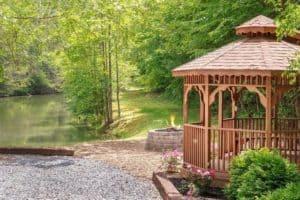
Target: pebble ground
(39, 177)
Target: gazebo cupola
(257, 26)
(254, 63)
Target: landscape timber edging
(37, 151)
(165, 187)
(167, 190)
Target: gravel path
(38, 177)
(129, 155)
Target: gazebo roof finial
(257, 26)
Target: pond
(38, 121)
(46, 121)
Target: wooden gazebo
(255, 63)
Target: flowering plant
(172, 161)
(200, 179)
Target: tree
(95, 36)
(170, 33)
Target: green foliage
(288, 18)
(85, 93)
(25, 41)
(170, 33)
(257, 172)
(38, 84)
(288, 21)
(290, 192)
(294, 69)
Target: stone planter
(164, 139)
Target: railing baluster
(227, 133)
(223, 150)
(219, 148)
(213, 148)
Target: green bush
(38, 84)
(290, 192)
(257, 172)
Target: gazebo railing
(225, 143)
(194, 145)
(287, 142)
(259, 123)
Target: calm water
(38, 121)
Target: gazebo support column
(207, 121)
(220, 109)
(201, 111)
(234, 99)
(185, 104)
(268, 108)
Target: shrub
(256, 172)
(38, 84)
(290, 192)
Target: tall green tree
(170, 33)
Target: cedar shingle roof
(260, 20)
(258, 25)
(252, 53)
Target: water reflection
(38, 121)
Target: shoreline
(29, 95)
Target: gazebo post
(206, 120)
(275, 102)
(268, 111)
(185, 104)
(234, 99)
(220, 109)
(201, 110)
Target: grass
(145, 111)
(142, 111)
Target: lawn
(143, 111)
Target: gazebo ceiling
(258, 53)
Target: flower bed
(182, 185)
(172, 184)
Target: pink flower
(199, 171)
(190, 192)
(212, 173)
(206, 173)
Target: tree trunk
(110, 114)
(117, 79)
(105, 97)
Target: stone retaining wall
(160, 140)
